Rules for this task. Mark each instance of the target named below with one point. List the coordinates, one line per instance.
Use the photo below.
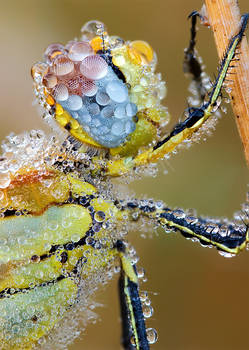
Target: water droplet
(62, 65)
(107, 112)
(79, 50)
(129, 127)
(94, 67)
(60, 92)
(74, 102)
(102, 98)
(133, 341)
(117, 91)
(226, 254)
(94, 109)
(151, 335)
(131, 109)
(147, 311)
(140, 272)
(120, 112)
(117, 128)
(4, 180)
(99, 216)
(52, 51)
(143, 295)
(91, 29)
(89, 88)
(50, 80)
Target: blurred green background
(200, 299)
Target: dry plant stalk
(224, 18)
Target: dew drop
(94, 109)
(50, 80)
(74, 102)
(4, 180)
(52, 51)
(117, 91)
(91, 29)
(94, 67)
(60, 92)
(147, 311)
(107, 112)
(133, 341)
(151, 335)
(89, 88)
(131, 109)
(226, 254)
(117, 128)
(38, 70)
(120, 112)
(102, 98)
(140, 272)
(79, 50)
(129, 127)
(62, 65)
(143, 295)
(99, 216)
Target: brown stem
(224, 18)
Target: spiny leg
(133, 323)
(228, 237)
(191, 64)
(195, 117)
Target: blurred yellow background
(201, 299)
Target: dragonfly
(63, 223)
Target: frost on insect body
(62, 224)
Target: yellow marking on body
(26, 317)
(235, 250)
(79, 187)
(34, 191)
(27, 235)
(131, 312)
(128, 268)
(76, 129)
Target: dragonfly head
(103, 91)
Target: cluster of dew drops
(83, 84)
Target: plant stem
(224, 18)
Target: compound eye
(90, 98)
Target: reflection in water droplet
(151, 335)
(147, 311)
(4, 180)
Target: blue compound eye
(108, 115)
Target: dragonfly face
(103, 91)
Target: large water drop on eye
(50, 80)
(117, 91)
(60, 92)
(102, 98)
(94, 109)
(89, 88)
(52, 51)
(79, 50)
(107, 112)
(62, 65)
(131, 109)
(117, 128)
(74, 102)
(91, 29)
(94, 67)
